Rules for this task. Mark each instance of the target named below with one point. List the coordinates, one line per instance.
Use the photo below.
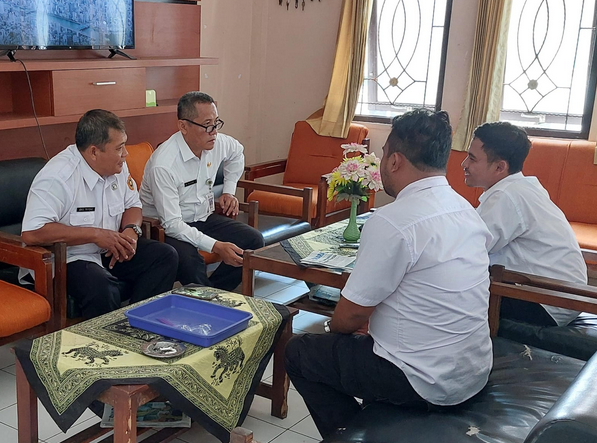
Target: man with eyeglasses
(177, 188)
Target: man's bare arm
(349, 317)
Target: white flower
(354, 147)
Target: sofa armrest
(304, 193)
(265, 169)
(14, 251)
(572, 418)
(569, 296)
(158, 233)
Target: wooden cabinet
(65, 84)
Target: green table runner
(68, 369)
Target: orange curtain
(484, 92)
(338, 110)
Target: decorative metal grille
(547, 83)
(405, 57)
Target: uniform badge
(129, 182)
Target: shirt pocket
(82, 218)
(116, 209)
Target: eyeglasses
(209, 128)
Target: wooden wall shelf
(66, 84)
(104, 63)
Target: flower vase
(352, 233)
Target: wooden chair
(138, 156)
(28, 313)
(310, 157)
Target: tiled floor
(298, 427)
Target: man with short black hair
(530, 233)
(177, 188)
(85, 196)
(420, 279)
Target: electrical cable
(43, 143)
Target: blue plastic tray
(165, 315)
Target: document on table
(329, 260)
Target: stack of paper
(329, 260)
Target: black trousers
(525, 311)
(99, 290)
(330, 370)
(191, 265)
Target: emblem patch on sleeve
(130, 183)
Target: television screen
(59, 24)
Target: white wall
(275, 67)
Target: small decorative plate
(163, 348)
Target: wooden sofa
(565, 168)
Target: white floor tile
(309, 322)
(74, 430)
(197, 435)
(280, 278)
(7, 358)
(265, 287)
(263, 432)
(9, 435)
(293, 437)
(8, 390)
(297, 410)
(307, 427)
(289, 294)
(47, 428)
(10, 369)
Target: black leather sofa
(533, 395)
(16, 177)
(578, 339)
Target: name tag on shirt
(211, 201)
(86, 209)
(192, 182)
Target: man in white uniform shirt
(530, 233)
(85, 196)
(420, 279)
(177, 189)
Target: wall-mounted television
(67, 24)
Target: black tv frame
(114, 49)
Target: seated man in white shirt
(85, 196)
(177, 189)
(420, 279)
(530, 233)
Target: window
(406, 52)
(549, 82)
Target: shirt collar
(89, 175)
(503, 183)
(424, 183)
(185, 150)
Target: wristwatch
(326, 326)
(135, 228)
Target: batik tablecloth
(70, 368)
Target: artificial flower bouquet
(355, 176)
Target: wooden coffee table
(275, 260)
(125, 399)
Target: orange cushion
(210, 257)
(546, 161)
(21, 309)
(578, 189)
(586, 234)
(311, 155)
(137, 158)
(455, 176)
(270, 202)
